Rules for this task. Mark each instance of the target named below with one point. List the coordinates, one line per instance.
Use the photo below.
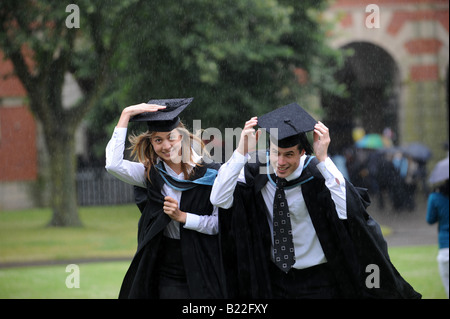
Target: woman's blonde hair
(142, 150)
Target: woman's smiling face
(167, 145)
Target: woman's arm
(136, 109)
(206, 224)
(130, 172)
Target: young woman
(178, 249)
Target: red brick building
(401, 49)
(18, 138)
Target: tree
(43, 48)
(236, 57)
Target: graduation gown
(349, 245)
(200, 252)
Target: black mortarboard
(164, 120)
(291, 120)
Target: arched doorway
(372, 98)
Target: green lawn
(111, 232)
(418, 265)
(96, 281)
(108, 232)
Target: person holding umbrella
(437, 212)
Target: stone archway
(372, 100)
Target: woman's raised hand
(136, 109)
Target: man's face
(285, 160)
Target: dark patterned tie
(283, 246)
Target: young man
(297, 228)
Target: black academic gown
(349, 245)
(200, 252)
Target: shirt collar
(296, 174)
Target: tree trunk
(63, 197)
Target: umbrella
(373, 141)
(417, 151)
(439, 172)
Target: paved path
(408, 227)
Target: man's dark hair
(300, 139)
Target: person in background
(437, 212)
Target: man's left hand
(321, 141)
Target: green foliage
(236, 57)
(35, 37)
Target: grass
(111, 232)
(108, 232)
(96, 281)
(418, 265)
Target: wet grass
(96, 281)
(111, 232)
(418, 266)
(108, 231)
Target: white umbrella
(439, 172)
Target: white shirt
(134, 173)
(308, 251)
